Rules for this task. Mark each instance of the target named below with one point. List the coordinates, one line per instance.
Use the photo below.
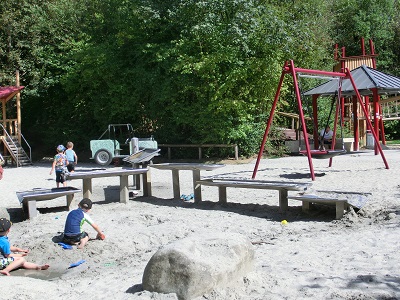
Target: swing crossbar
(316, 72)
(318, 77)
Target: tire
(103, 157)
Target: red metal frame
(289, 68)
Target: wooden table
(123, 173)
(28, 198)
(195, 167)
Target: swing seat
(323, 154)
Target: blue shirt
(70, 155)
(4, 247)
(75, 220)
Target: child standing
(73, 233)
(59, 162)
(10, 261)
(71, 157)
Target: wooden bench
(282, 187)
(122, 173)
(195, 168)
(341, 202)
(28, 198)
(200, 146)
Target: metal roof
(7, 92)
(365, 79)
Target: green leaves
(186, 71)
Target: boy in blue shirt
(71, 157)
(9, 260)
(73, 233)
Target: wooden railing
(200, 146)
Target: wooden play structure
(336, 84)
(11, 138)
(380, 93)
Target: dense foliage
(185, 71)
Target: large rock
(196, 265)
(4, 213)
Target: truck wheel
(103, 157)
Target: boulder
(196, 265)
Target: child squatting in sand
(11, 261)
(73, 233)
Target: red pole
(339, 96)
(355, 122)
(335, 53)
(367, 118)
(334, 134)
(271, 116)
(376, 116)
(316, 72)
(362, 46)
(383, 138)
(301, 115)
(315, 117)
(372, 50)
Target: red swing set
(289, 68)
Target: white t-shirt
(327, 135)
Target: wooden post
(18, 108)
(236, 152)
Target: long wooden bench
(282, 187)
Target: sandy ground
(314, 256)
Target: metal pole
(301, 116)
(367, 118)
(271, 116)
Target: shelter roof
(7, 92)
(365, 79)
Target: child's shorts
(60, 176)
(5, 262)
(73, 239)
(71, 166)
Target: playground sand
(313, 256)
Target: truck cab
(118, 141)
